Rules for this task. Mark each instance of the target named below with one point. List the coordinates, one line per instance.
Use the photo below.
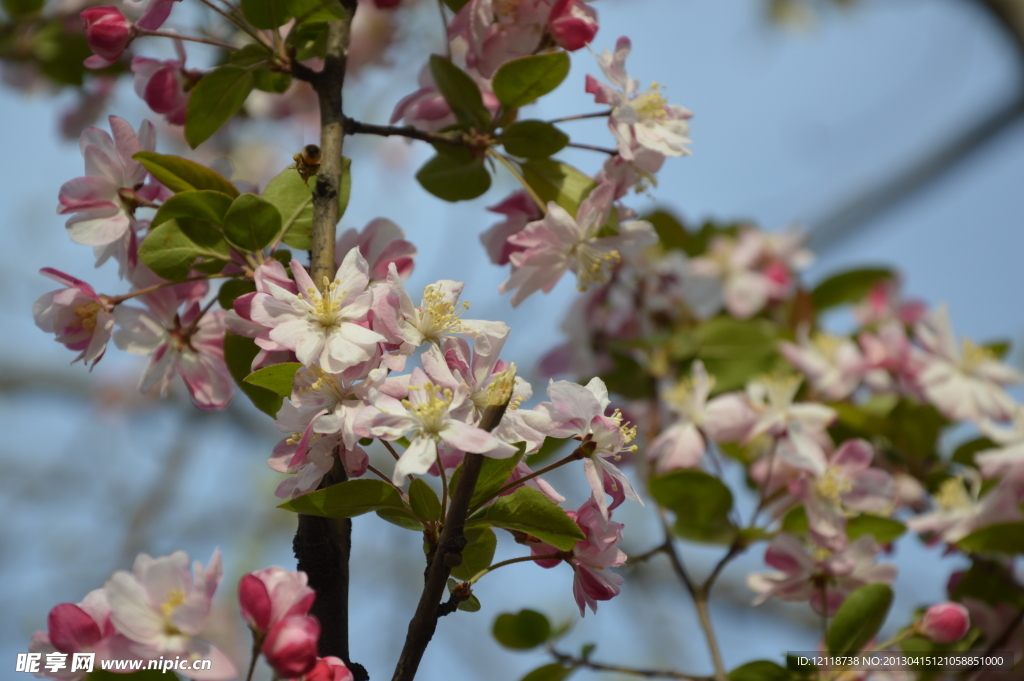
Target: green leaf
(239, 352)
(424, 501)
(521, 81)
(988, 581)
(848, 287)
(494, 474)
(456, 5)
(671, 233)
(276, 377)
(308, 39)
(795, 521)
(735, 350)
(345, 186)
(461, 92)
(268, 80)
(293, 199)
(760, 670)
(251, 222)
(471, 604)
(171, 249)
(20, 8)
(233, 288)
(347, 499)
(478, 554)
(317, 10)
(858, 619)
(403, 518)
(701, 503)
(250, 55)
(215, 99)
(997, 538)
(628, 379)
(964, 454)
(549, 672)
(884, 530)
(181, 175)
(455, 178)
(558, 182)
(528, 510)
(267, 14)
(202, 205)
(531, 139)
(524, 630)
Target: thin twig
(388, 480)
(243, 25)
(580, 117)
(512, 561)
(391, 449)
(590, 147)
(193, 39)
(576, 455)
(580, 663)
(455, 138)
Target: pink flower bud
(329, 669)
(273, 594)
(291, 645)
(945, 622)
(108, 34)
(387, 4)
(572, 24)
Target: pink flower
(833, 365)
(798, 427)
(590, 557)
(381, 242)
(961, 509)
(164, 85)
(108, 34)
(800, 576)
(964, 384)
(944, 623)
(270, 595)
(560, 243)
(154, 12)
(76, 315)
(884, 303)
(291, 645)
(104, 200)
(573, 24)
(427, 108)
(1006, 461)
(639, 120)
(323, 328)
(519, 210)
(82, 628)
(329, 669)
(162, 608)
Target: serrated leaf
(701, 503)
(859, 619)
(171, 249)
(481, 543)
(530, 139)
(347, 499)
(182, 175)
(549, 672)
(215, 99)
(424, 501)
(530, 511)
(461, 92)
(267, 14)
(251, 223)
(455, 178)
(848, 287)
(204, 204)
(521, 81)
(232, 289)
(996, 538)
(523, 630)
(239, 352)
(884, 530)
(276, 377)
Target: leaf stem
(192, 39)
(581, 663)
(243, 25)
(512, 561)
(575, 456)
(590, 147)
(117, 300)
(580, 117)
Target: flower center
(439, 315)
(506, 11)
(593, 264)
(326, 384)
(325, 308)
(432, 411)
(499, 390)
(975, 355)
(175, 598)
(827, 344)
(781, 388)
(628, 432)
(651, 104)
(87, 313)
(952, 496)
(833, 485)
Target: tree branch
(581, 663)
(455, 138)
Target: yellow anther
(833, 484)
(974, 355)
(781, 386)
(499, 391)
(820, 553)
(439, 316)
(432, 411)
(593, 265)
(651, 104)
(87, 313)
(952, 495)
(175, 598)
(826, 343)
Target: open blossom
(105, 198)
(321, 328)
(577, 411)
(519, 210)
(1007, 460)
(639, 120)
(268, 596)
(499, 30)
(559, 243)
(381, 242)
(80, 628)
(164, 84)
(848, 485)
(428, 110)
(162, 608)
(108, 33)
(76, 315)
(426, 418)
(834, 366)
(965, 383)
(798, 427)
(961, 509)
(725, 418)
(825, 578)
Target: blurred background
(892, 130)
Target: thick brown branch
(455, 138)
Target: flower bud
(387, 4)
(291, 645)
(273, 594)
(945, 622)
(572, 24)
(329, 669)
(108, 33)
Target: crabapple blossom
(798, 427)
(834, 366)
(560, 243)
(891, 363)
(78, 317)
(884, 303)
(962, 509)
(291, 645)
(321, 327)
(577, 411)
(239, 319)
(329, 669)
(85, 627)
(944, 623)
(428, 110)
(965, 383)
(381, 242)
(822, 578)
(272, 594)
(164, 84)
(426, 415)
(108, 33)
(153, 12)
(591, 557)
(114, 185)
(1006, 461)
(519, 210)
(162, 608)
(638, 120)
